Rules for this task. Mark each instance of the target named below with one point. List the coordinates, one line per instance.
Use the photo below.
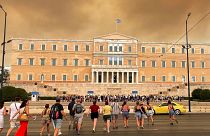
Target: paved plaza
(193, 124)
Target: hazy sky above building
(148, 20)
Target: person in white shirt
(2, 114)
(14, 107)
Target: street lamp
(3, 50)
(187, 47)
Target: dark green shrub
(9, 93)
(201, 94)
(196, 93)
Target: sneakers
(93, 131)
(171, 124)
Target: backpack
(78, 108)
(70, 108)
(54, 113)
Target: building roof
(116, 36)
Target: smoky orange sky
(148, 20)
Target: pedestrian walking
(13, 108)
(125, 113)
(23, 112)
(95, 110)
(138, 114)
(79, 109)
(150, 113)
(171, 113)
(71, 113)
(143, 115)
(2, 114)
(115, 112)
(107, 111)
(45, 115)
(56, 115)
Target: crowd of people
(19, 112)
(121, 98)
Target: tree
(5, 76)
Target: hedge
(9, 93)
(201, 94)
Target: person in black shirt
(56, 115)
(71, 112)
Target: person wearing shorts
(150, 113)
(94, 109)
(13, 108)
(125, 113)
(137, 110)
(107, 111)
(115, 112)
(171, 113)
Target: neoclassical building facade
(108, 64)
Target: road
(189, 125)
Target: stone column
(97, 77)
(137, 77)
(92, 76)
(118, 77)
(102, 77)
(127, 77)
(107, 77)
(132, 77)
(112, 77)
(122, 77)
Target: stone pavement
(189, 125)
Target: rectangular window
(76, 48)
(153, 63)
(203, 79)
(86, 77)
(193, 50)
(193, 64)
(202, 50)
(143, 78)
(18, 77)
(153, 49)
(110, 48)
(183, 50)
(101, 62)
(19, 61)
(129, 48)
(54, 48)
(183, 64)
(183, 78)
(202, 64)
(143, 49)
(153, 78)
(129, 62)
(53, 77)
(173, 78)
(87, 62)
(43, 47)
(30, 77)
(193, 78)
(101, 48)
(75, 77)
(42, 77)
(110, 60)
(42, 61)
(120, 48)
(75, 62)
(31, 61)
(64, 77)
(163, 78)
(20, 47)
(120, 61)
(87, 48)
(115, 60)
(65, 48)
(143, 63)
(172, 50)
(53, 62)
(173, 64)
(32, 47)
(163, 50)
(65, 62)
(163, 64)
(115, 48)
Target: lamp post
(188, 69)
(3, 50)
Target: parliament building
(108, 64)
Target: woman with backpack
(125, 113)
(45, 115)
(150, 113)
(171, 113)
(137, 110)
(143, 115)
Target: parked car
(163, 108)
